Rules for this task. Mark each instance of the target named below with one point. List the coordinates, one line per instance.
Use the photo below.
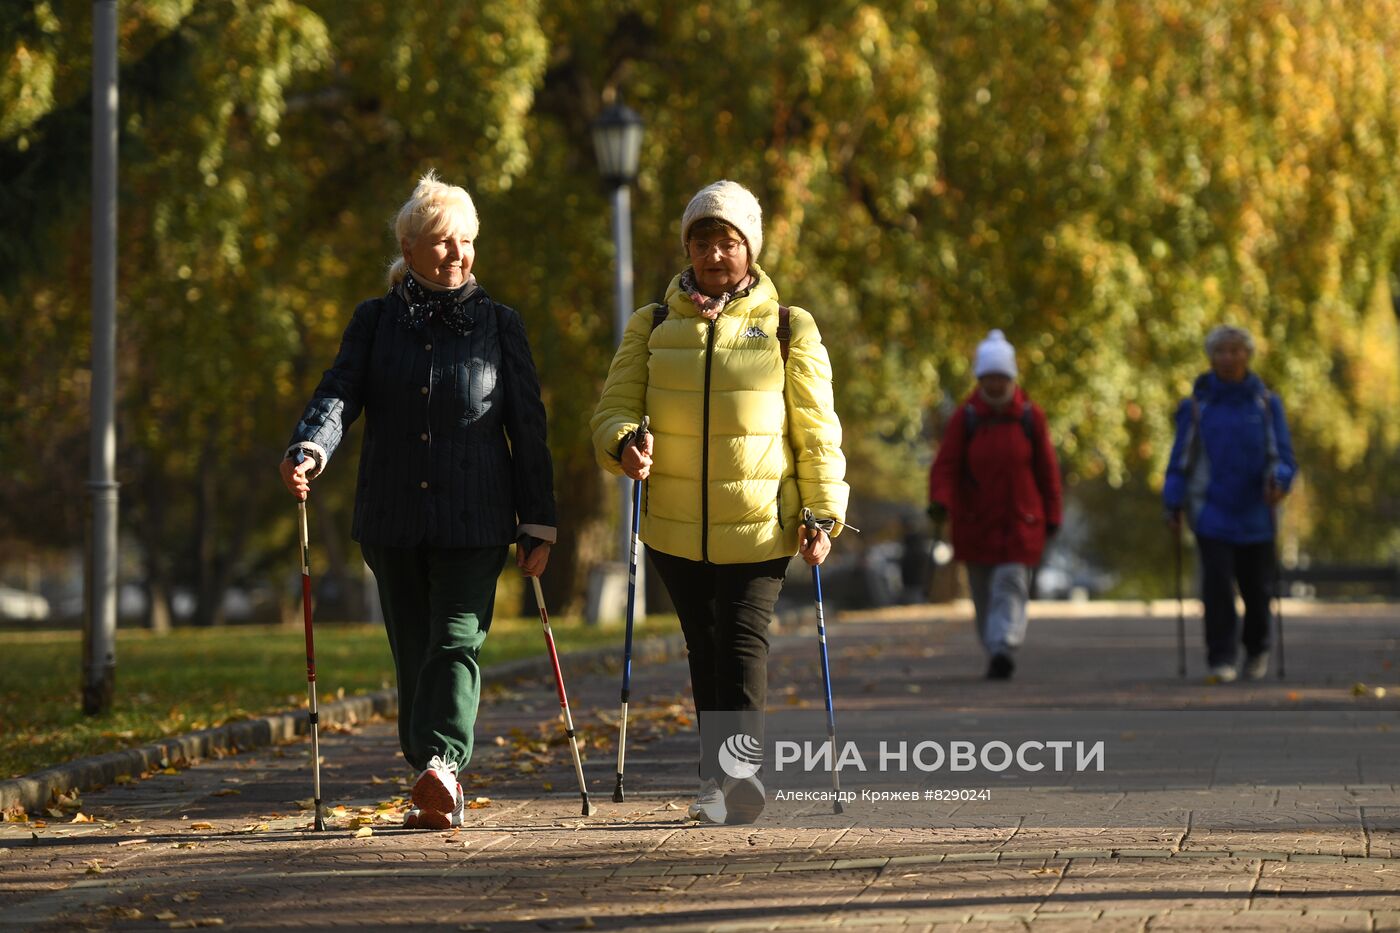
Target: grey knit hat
(732, 203)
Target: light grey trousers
(999, 595)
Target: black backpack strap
(659, 312)
(784, 330)
(970, 421)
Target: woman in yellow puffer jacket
(744, 436)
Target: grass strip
(198, 678)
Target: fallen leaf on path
(363, 831)
(374, 779)
(479, 803)
(132, 842)
(201, 824)
(95, 867)
(186, 897)
(55, 812)
(124, 779)
(257, 828)
(166, 915)
(226, 792)
(128, 913)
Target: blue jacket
(1230, 438)
(454, 451)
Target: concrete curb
(34, 791)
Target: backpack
(1193, 447)
(971, 422)
(661, 310)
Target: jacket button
(422, 437)
(423, 485)
(424, 390)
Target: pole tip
(320, 824)
(617, 793)
(588, 808)
(836, 807)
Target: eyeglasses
(727, 247)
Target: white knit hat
(732, 203)
(995, 355)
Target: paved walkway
(1272, 835)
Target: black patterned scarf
(422, 305)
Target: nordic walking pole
(1278, 594)
(563, 697)
(314, 716)
(811, 523)
(641, 436)
(1180, 609)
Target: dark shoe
(743, 800)
(1001, 667)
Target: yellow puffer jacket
(739, 448)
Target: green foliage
(1102, 181)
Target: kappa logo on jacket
(754, 331)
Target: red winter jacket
(1000, 495)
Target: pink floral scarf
(708, 307)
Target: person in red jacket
(997, 478)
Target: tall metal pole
(622, 239)
(100, 620)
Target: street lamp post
(617, 141)
(100, 581)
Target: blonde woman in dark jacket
(454, 467)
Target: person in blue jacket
(1231, 465)
(454, 467)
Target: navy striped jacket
(455, 452)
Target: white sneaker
(437, 789)
(743, 799)
(1222, 674)
(433, 819)
(1256, 667)
(709, 803)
